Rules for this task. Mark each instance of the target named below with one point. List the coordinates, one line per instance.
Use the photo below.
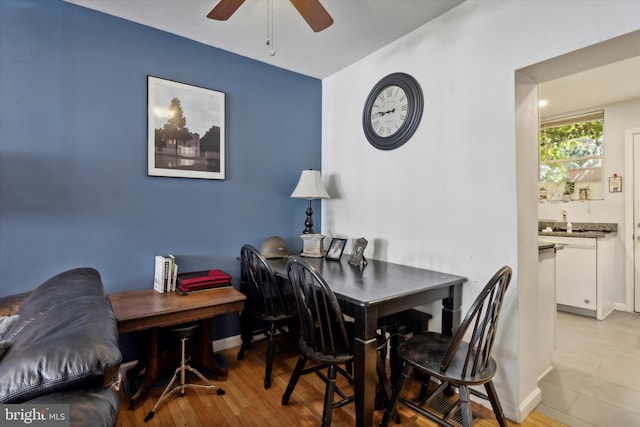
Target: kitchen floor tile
(595, 379)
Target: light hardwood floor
(247, 403)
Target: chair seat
(425, 352)
(341, 354)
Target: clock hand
(382, 113)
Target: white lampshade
(310, 186)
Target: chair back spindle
(322, 322)
(483, 315)
(266, 293)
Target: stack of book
(165, 274)
(198, 281)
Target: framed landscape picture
(185, 130)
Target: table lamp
(310, 187)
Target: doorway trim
(629, 236)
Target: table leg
(451, 318)
(451, 310)
(151, 372)
(216, 372)
(246, 335)
(365, 375)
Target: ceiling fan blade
(223, 10)
(314, 13)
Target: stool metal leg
(170, 391)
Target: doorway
(527, 81)
(632, 212)
(608, 52)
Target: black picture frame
(174, 150)
(334, 253)
(357, 258)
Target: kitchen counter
(580, 229)
(564, 233)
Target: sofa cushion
(95, 407)
(62, 340)
(4, 346)
(6, 323)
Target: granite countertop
(580, 229)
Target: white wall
(618, 118)
(448, 199)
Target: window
(571, 157)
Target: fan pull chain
(270, 39)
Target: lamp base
(312, 245)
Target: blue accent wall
(74, 189)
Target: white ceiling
(616, 82)
(360, 28)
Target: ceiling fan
(311, 10)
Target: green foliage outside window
(568, 149)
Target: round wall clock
(392, 111)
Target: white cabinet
(584, 275)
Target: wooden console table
(148, 310)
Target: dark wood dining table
(379, 289)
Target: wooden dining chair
(455, 362)
(268, 302)
(325, 337)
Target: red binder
(202, 280)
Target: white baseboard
(544, 374)
(228, 342)
(620, 306)
(529, 404)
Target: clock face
(392, 111)
(389, 111)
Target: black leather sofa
(63, 349)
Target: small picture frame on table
(335, 249)
(357, 258)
